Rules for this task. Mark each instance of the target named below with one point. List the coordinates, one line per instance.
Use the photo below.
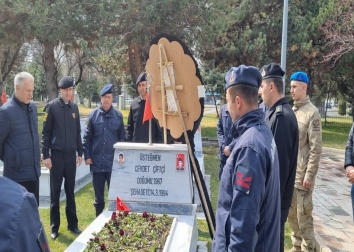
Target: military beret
(142, 77)
(66, 82)
(106, 90)
(273, 71)
(248, 75)
(300, 76)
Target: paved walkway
(332, 213)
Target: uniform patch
(316, 125)
(243, 180)
(279, 109)
(45, 116)
(73, 114)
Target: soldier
(61, 136)
(283, 124)
(137, 131)
(225, 140)
(105, 127)
(248, 211)
(310, 148)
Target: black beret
(106, 90)
(273, 71)
(142, 77)
(248, 75)
(66, 82)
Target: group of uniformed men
(268, 162)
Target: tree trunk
(50, 70)
(134, 60)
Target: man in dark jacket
(105, 127)
(61, 135)
(137, 131)
(349, 162)
(19, 140)
(248, 211)
(225, 139)
(21, 228)
(283, 124)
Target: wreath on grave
(128, 231)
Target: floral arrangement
(127, 231)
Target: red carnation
(121, 232)
(114, 216)
(97, 239)
(111, 232)
(145, 215)
(126, 213)
(103, 247)
(152, 219)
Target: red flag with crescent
(3, 96)
(147, 109)
(121, 206)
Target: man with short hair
(283, 124)
(19, 140)
(104, 128)
(248, 211)
(310, 148)
(62, 153)
(137, 131)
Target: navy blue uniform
(283, 124)
(103, 130)
(21, 228)
(223, 130)
(61, 135)
(137, 131)
(248, 212)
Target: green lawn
(334, 137)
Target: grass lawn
(334, 137)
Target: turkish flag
(3, 96)
(147, 109)
(121, 206)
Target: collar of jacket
(62, 103)
(281, 101)
(248, 120)
(21, 104)
(302, 102)
(106, 113)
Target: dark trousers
(98, 181)
(32, 187)
(63, 166)
(283, 216)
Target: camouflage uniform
(310, 148)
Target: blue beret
(248, 75)
(273, 71)
(300, 76)
(106, 90)
(66, 82)
(142, 77)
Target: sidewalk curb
(320, 244)
(329, 150)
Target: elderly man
(248, 211)
(62, 153)
(105, 127)
(283, 124)
(19, 141)
(310, 148)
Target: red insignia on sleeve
(243, 180)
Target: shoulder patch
(243, 180)
(316, 125)
(279, 109)
(45, 116)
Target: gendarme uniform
(248, 210)
(283, 124)
(61, 141)
(104, 129)
(310, 148)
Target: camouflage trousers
(301, 221)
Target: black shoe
(54, 235)
(75, 230)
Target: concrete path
(332, 213)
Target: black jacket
(283, 124)
(349, 154)
(61, 128)
(19, 141)
(136, 130)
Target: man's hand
(88, 161)
(78, 161)
(47, 163)
(227, 151)
(307, 184)
(351, 176)
(348, 169)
